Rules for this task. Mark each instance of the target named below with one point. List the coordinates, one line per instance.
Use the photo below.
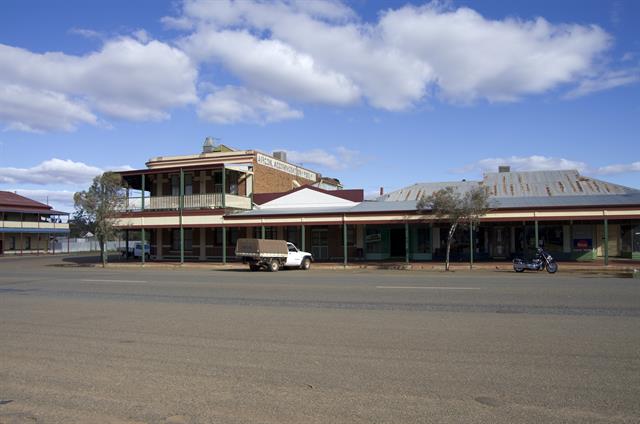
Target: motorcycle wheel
(552, 268)
(518, 268)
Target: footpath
(614, 266)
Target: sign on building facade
(285, 167)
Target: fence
(71, 245)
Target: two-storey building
(195, 207)
(27, 226)
(180, 200)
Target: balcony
(33, 225)
(194, 201)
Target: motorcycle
(541, 261)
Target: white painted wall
(307, 198)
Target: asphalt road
(87, 345)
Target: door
(397, 241)
(1, 247)
(499, 243)
(319, 243)
(614, 240)
(294, 257)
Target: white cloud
(524, 163)
(499, 60)
(321, 52)
(128, 78)
(26, 109)
(619, 168)
(272, 66)
(342, 158)
(231, 105)
(53, 171)
(545, 163)
(606, 81)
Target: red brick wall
(269, 180)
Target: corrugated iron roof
(416, 191)
(515, 185)
(548, 183)
(14, 200)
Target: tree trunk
(103, 254)
(452, 230)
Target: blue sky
(375, 93)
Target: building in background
(195, 207)
(27, 226)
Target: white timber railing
(192, 201)
(34, 225)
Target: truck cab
(297, 258)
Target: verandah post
(181, 206)
(142, 234)
(302, 235)
(471, 246)
(406, 241)
(344, 241)
(224, 245)
(606, 242)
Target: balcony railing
(33, 225)
(193, 201)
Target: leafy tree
(96, 208)
(457, 209)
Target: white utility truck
(135, 251)
(271, 254)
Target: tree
(96, 208)
(457, 209)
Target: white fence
(71, 245)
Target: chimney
(381, 191)
(280, 155)
(208, 145)
(504, 168)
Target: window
(291, 248)
(217, 182)
(175, 184)
(27, 243)
(175, 239)
(373, 240)
(232, 236)
(270, 233)
(12, 243)
(292, 234)
(232, 182)
(188, 184)
(550, 237)
(351, 235)
(423, 240)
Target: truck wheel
(306, 264)
(274, 266)
(254, 267)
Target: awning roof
(34, 211)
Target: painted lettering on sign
(285, 167)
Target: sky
(374, 93)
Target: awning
(35, 230)
(34, 211)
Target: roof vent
(280, 155)
(209, 145)
(504, 168)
